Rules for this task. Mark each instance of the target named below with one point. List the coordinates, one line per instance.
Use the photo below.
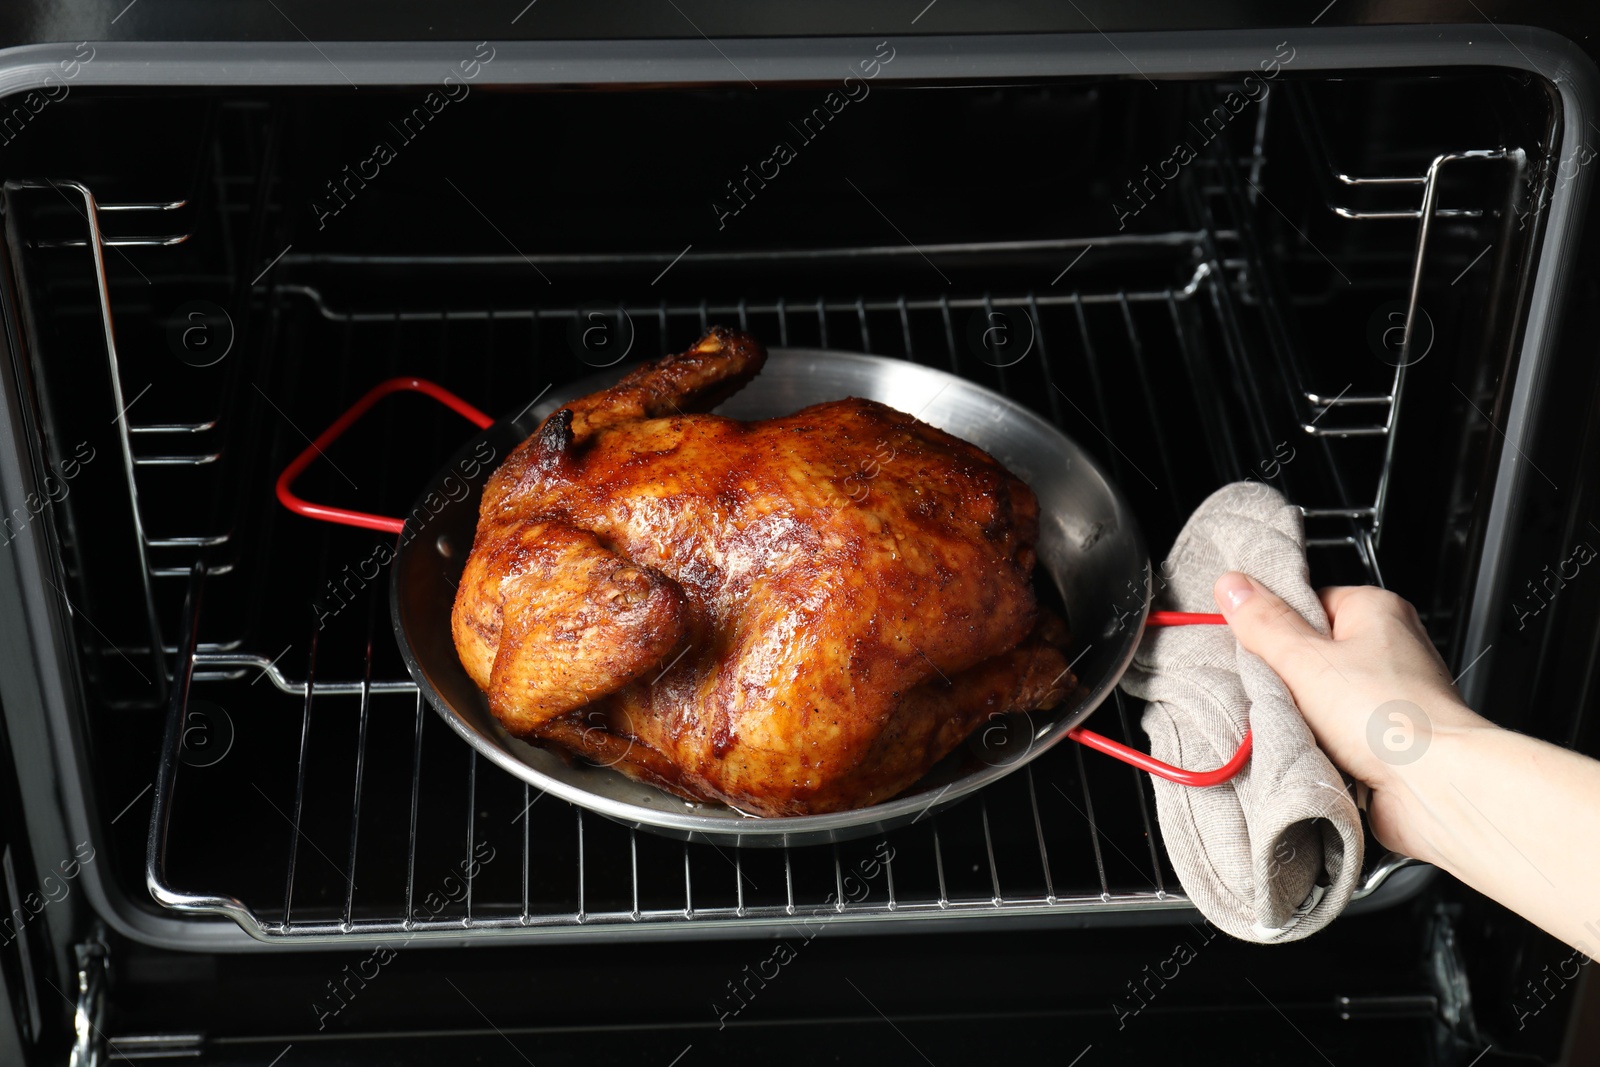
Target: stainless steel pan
(1089, 546)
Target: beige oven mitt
(1274, 854)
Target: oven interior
(1241, 313)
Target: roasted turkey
(791, 616)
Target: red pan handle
(1135, 758)
(1185, 618)
(347, 516)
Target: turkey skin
(790, 616)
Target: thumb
(1265, 625)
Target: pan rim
(910, 805)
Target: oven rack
(1066, 836)
(1093, 881)
(138, 444)
(1236, 183)
(1427, 212)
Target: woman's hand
(1512, 816)
(1375, 693)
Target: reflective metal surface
(1089, 546)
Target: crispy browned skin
(792, 616)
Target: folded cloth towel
(1272, 855)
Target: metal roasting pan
(1090, 546)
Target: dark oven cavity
(1316, 286)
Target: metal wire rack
(1063, 836)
